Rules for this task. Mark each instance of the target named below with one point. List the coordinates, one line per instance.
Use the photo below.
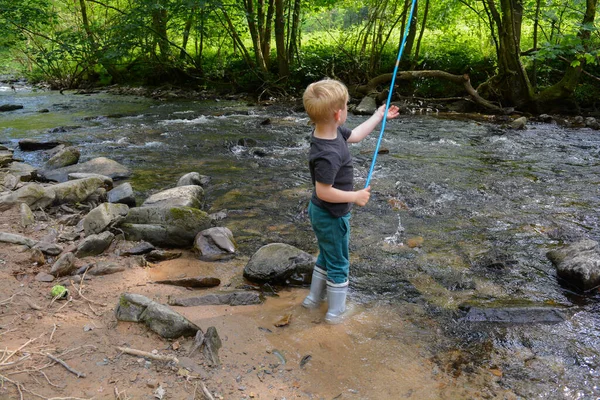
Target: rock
(105, 268)
(64, 265)
(519, 123)
(65, 157)
(108, 182)
(32, 194)
(122, 194)
(76, 191)
(214, 243)
(367, 106)
(103, 217)
(131, 307)
(196, 282)
(546, 118)
(237, 298)
(591, 122)
(9, 182)
(16, 239)
(26, 215)
(279, 263)
(100, 165)
(94, 244)
(23, 172)
(193, 178)
(212, 344)
(162, 255)
(6, 157)
(165, 226)
(515, 315)
(578, 264)
(141, 248)
(44, 277)
(34, 145)
(10, 107)
(181, 196)
(159, 318)
(51, 249)
(37, 257)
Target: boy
(326, 103)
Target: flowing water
(462, 214)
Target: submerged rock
(578, 264)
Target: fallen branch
(85, 298)
(64, 364)
(463, 80)
(141, 353)
(206, 392)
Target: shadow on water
(460, 219)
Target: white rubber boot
(336, 297)
(317, 289)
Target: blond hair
(323, 98)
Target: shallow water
(483, 204)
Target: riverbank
(304, 359)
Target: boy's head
(324, 98)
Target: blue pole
(389, 99)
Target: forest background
(530, 55)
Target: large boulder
(100, 165)
(280, 263)
(63, 158)
(180, 196)
(75, 191)
(165, 226)
(103, 217)
(33, 194)
(578, 264)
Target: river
(462, 214)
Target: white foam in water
(183, 112)
(396, 239)
(153, 144)
(200, 120)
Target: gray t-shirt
(330, 163)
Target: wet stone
(516, 315)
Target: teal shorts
(333, 236)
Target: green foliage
(141, 42)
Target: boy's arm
(362, 130)
(332, 195)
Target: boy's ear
(337, 115)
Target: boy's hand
(362, 196)
(393, 111)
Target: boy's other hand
(362, 196)
(393, 111)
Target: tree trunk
(294, 29)
(159, 29)
(423, 24)
(266, 45)
(186, 32)
(282, 60)
(567, 85)
(252, 19)
(511, 83)
(112, 71)
(412, 33)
